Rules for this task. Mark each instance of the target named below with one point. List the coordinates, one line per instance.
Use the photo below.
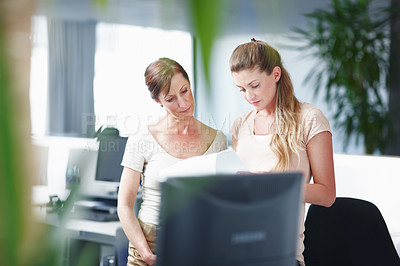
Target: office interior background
(104, 86)
(131, 34)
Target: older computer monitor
(230, 220)
(100, 166)
(108, 167)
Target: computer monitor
(108, 167)
(250, 219)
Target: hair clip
(253, 40)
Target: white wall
(375, 179)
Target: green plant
(351, 42)
(23, 240)
(14, 192)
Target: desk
(99, 232)
(79, 238)
(99, 237)
(79, 235)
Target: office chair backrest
(121, 247)
(350, 232)
(121, 240)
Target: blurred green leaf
(101, 4)
(11, 180)
(207, 17)
(23, 240)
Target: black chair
(121, 240)
(121, 247)
(350, 232)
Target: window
(38, 85)
(122, 54)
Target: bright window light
(122, 54)
(38, 78)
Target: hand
(150, 259)
(251, 173)
(243, 173)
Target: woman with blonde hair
(280, 133)
(173, 138)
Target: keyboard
(100, 210)
(96, 215)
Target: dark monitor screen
(110, 153)
(230, 220)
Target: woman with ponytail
(281, 134)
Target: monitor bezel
(173, 197)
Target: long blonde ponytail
(286, 138)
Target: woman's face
(258, 88)
(179, 100)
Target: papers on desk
(224, 162)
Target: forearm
(134, 232)
(319, 194)
(323, 190)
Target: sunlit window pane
(122, 54)
(38, 82)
